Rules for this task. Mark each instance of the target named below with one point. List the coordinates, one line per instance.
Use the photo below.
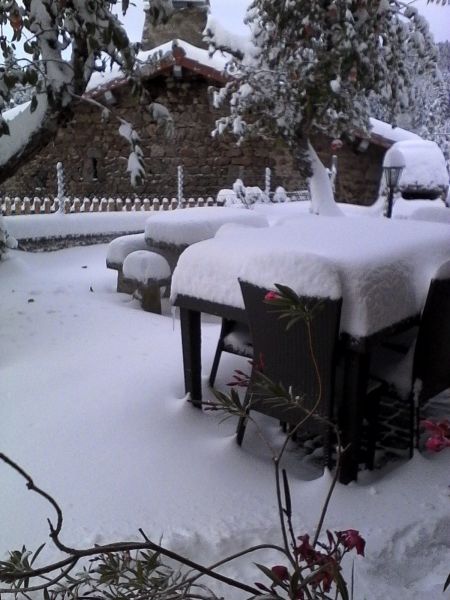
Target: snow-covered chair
(288, 361)
(147, 272)
(422, 373)
(117, 252)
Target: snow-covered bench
(118, 250)
(146, 272)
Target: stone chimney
(185, 20)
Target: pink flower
(271, 296)
(440, 434)
(350, 539)
(436, 443)
(437, 427)
(305, 550)
(280, 572)
(336, 145)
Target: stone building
(94, 156)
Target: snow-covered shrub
(280, 195)
(255, 195)
(6, 241)
(227, 197)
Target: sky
(230, 13)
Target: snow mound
(144, 265)
(186, 227)
(425, 167)
(122, 246)
(306, 274)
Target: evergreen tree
(311, 68)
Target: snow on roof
(385, 134)
(190, 53)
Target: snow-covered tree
(310, 68)
(65, 42)
(430, 114)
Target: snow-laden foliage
(311, 65)
(66, 41)
(430, 114)
(136, 158)
(6, 240)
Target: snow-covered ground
(93, 407)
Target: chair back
(293, 358)
(431, 366)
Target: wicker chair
(424, 371)
(287, 360)
(234, 338)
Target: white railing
(36, 206)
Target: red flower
(327, 573)
(436, 443)
(350, 539)
(305, 550)
(437, 427)
(271, 296)
(280, 572)
(440, 435)
(336, 144)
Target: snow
(59, 225)
(424, 165)
(143, 265)
(22, 124)
(322, 196)
(188, 226)
(392, 134)
(217, 62)
(93, 407)
(382, 285)
(434, 211)
(119, 248)
(306, 274)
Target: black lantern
(393, 165)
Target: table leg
(351, 412)
(192, 364)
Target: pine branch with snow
(309, 67)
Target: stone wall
(95, 157)
(359, 172)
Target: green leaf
(38, 551)
(447, 582)
(4, 128)
(269, 573)
(287, 494)
(32, 76)
(34, 103)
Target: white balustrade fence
(36, 205)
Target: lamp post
(393, 165)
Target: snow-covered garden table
(171, 232)
(385, 267)
(180, 228)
